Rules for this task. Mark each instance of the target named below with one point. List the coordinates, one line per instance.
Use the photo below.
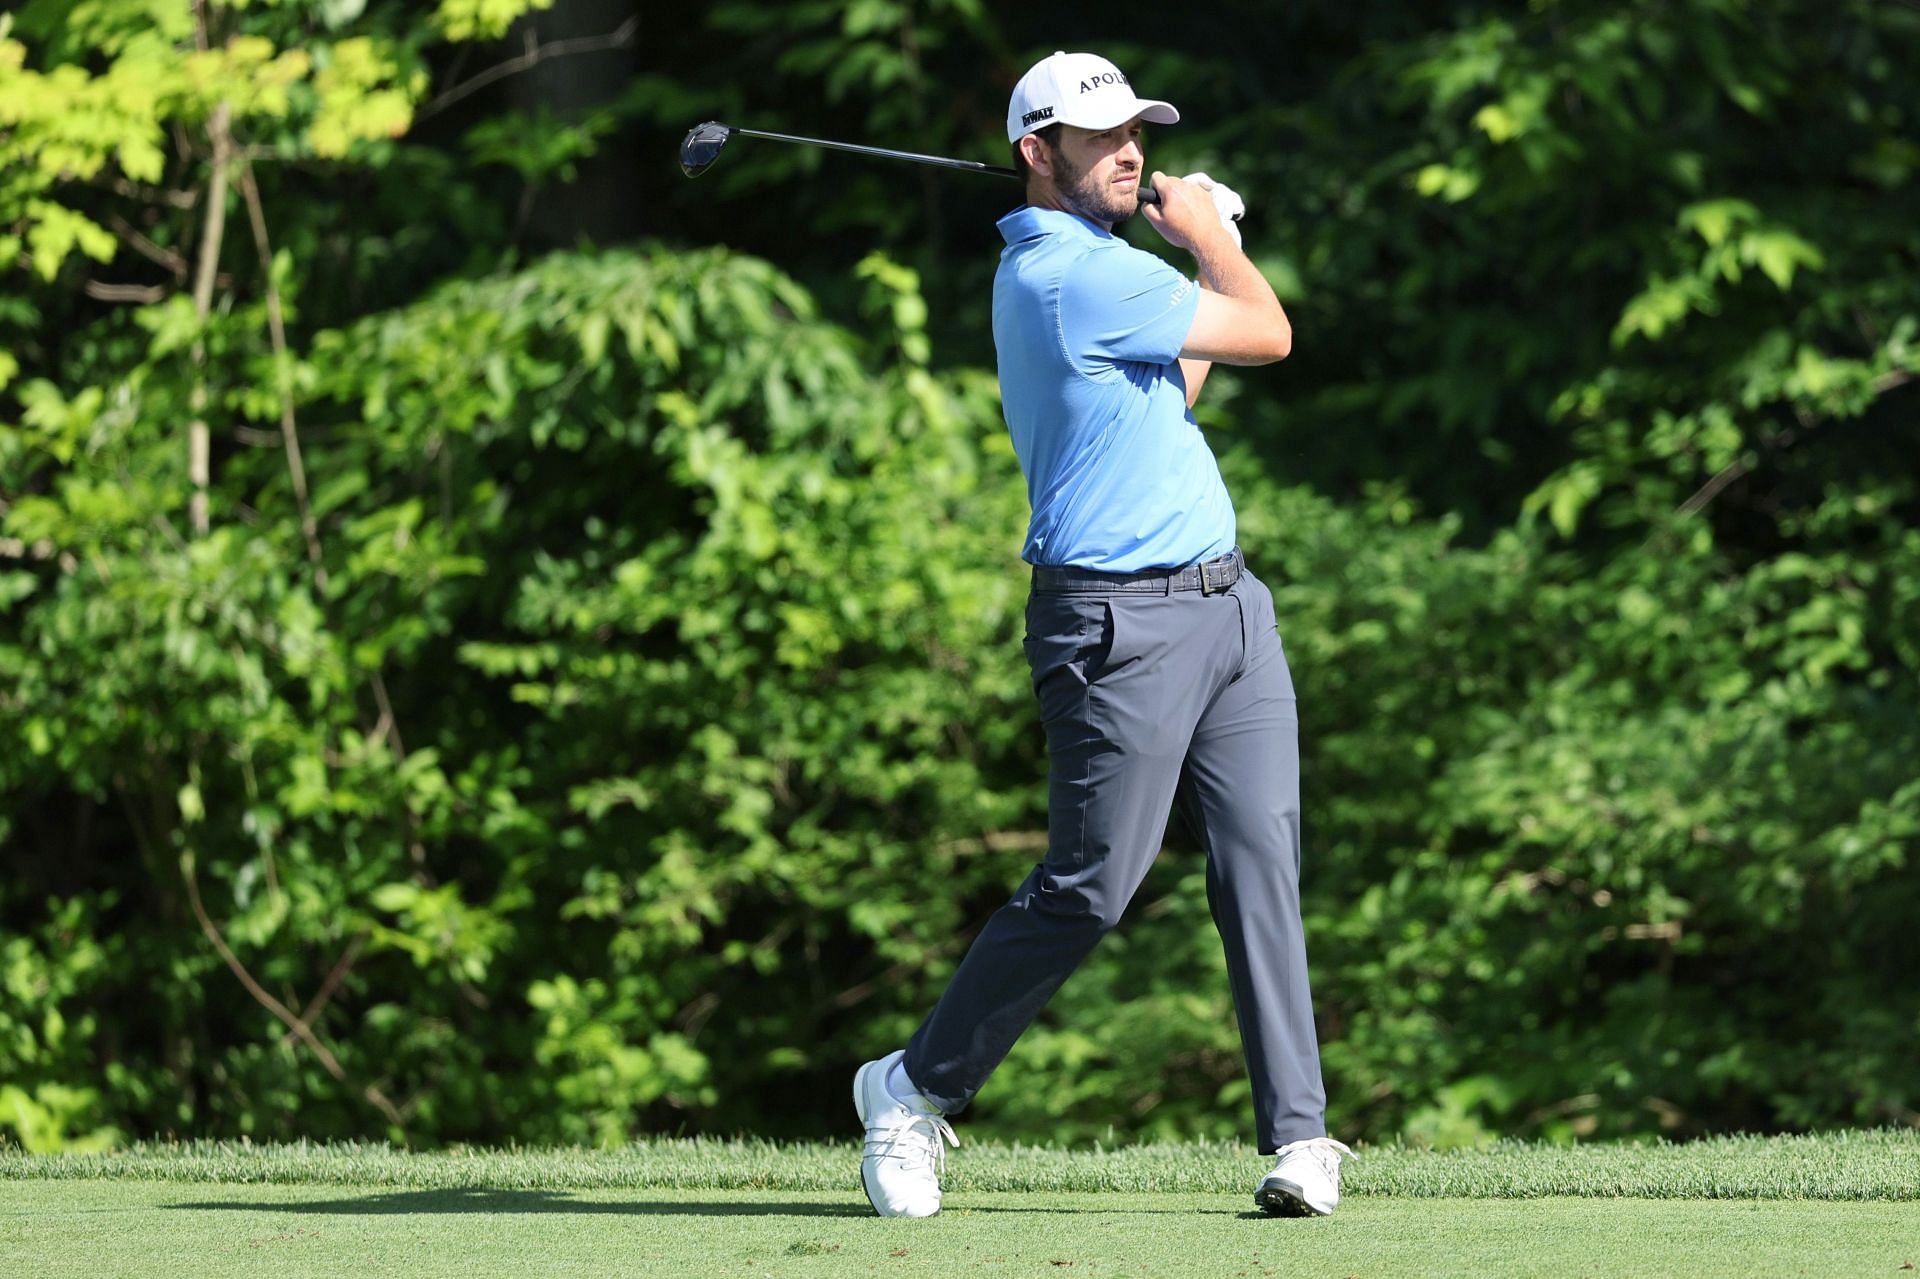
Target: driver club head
(701, 147)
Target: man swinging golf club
(1154, 651)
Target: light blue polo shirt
(1088, 330)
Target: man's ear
(1034, 149)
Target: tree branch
(130, 235)
(143, 294)
(324, 995)
(294, 1024)
(535, 54)
(277, 329)
(388, 727)
(154, 195)
(1711, 489)
(1735, 469)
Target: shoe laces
(915, 1143)
(1325, 1151)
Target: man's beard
(1093, 200)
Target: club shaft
(938, 160)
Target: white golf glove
(1226, 202)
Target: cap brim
(1153, 112)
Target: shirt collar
(1029, 223)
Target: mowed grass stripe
(1871, 1166)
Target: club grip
(1146, 192)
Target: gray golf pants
(1149, 693)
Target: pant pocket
(1065, 637)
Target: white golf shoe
(901, 1163)
(1306, 1181)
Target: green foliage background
(593, 704)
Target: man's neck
(1044, 196)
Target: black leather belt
(1213, 577)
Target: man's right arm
(1240, 321)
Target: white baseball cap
(1081, 89)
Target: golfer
(1154, 650)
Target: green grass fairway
(156, 1229)
(1840, 1205)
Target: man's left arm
(1231, 208)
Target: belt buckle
(1206, 582)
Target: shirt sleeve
(1125, 304)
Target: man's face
(1098, 174)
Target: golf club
(701, 147)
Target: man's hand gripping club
(1239, 321)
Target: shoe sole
(1284, 1199)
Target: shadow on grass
(535, 1201)
(527, 1201)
